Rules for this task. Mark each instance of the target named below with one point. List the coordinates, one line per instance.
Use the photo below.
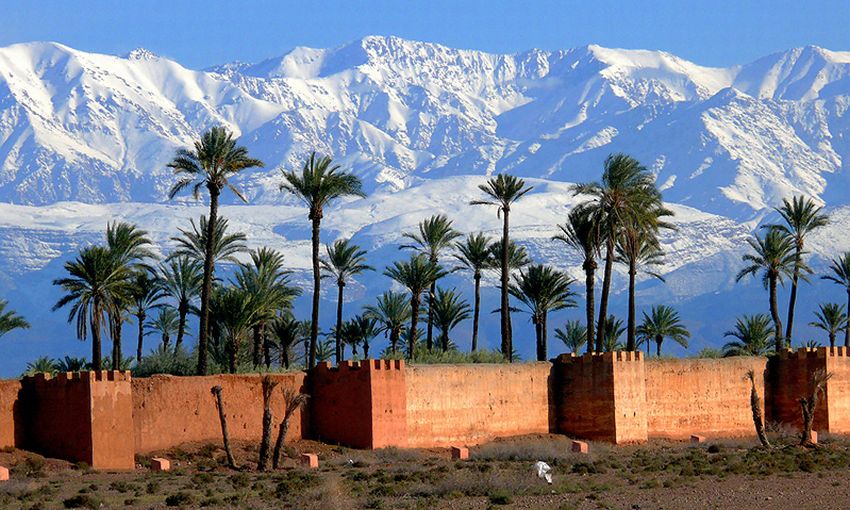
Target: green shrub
(181, 498)
(500, 497)
(83, 501)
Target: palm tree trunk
(140, 319)
(630, 330)
(267, 350)
(589, 284)
(165, 340)
(182, 311)
(314, 324)
(658, 340)
(284, 357)
(429, 340)
(544, 341)
(340, 286)
(232, 347)
(774, 311)
(507, 348)
(847, 327)
(222, 417)
(792, 300)
(206, 287)
(477, 311)
(603, 300)
(414, 316)
(831, 339)
(256, 355)
(96, 319)
(116, 343)
(265, 442)
(538, 336)
(394, 334)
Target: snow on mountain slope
(85, 138)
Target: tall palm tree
(9, 320)
(288, 333)
(517, 259)
(627, 190)
(502, 191)
(392, 311)
(344, 261)
(318, 183)
(474, 253)
(638, 247)
(450, 309)
(97, 285)
(166, 323)
(215, 159)
(267, 281)
(801, 216)
(574, 335)
(542, 289)
(434, 236)
(145, 293)
(663, 322)
(581, 232)
(831, 318)
(193, 243)
(774, 257)
(181, 278)
(416, 274)
(753, 334)
(840, 268)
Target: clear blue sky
(203, 33)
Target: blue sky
(203, 33)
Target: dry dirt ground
(723, 474)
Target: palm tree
(360, 330)
(450, 309)
(9, 320)
(801, 216)
(266, 280)
(502, 191)
(71, 364)
(775, 258)
(627, 191)
(574, 335)
(753, 334)
(831, 318)
(215, 159)
(474, 253)
(638, 247)
(234, 314)
(97, 285)
(41, 365)
(416, 275)
(145, 293)
(517, 259)
(193, 243)
(581, 232)
(166, 323)
(181, 278)
(435, 235)
(288, 332)
(392, 311)
(319, 182)
(615, 331)
(542, 289)
(663, 322)
(840, 268)
(344, 261)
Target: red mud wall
(8, 401)
(468, 404)
(837, 391)
(701, 396)
(789, 379)
(168, 411)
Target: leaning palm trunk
(340, 286)
(774, 312)
(589, 269)
(140, 319)
(206, 287)
(755, 405)
(216, 390)
(477, 311)
(603, 300)
(265, 444)
(630, 330)
(507, 340)
(293, 401)
(792, 300)
(317, 279)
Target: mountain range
(85, 138)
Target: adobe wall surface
(168, 411)
(468, 404)
(789, 379)
(837, 403)
(601, 396)
(709, 397)
(8, 402)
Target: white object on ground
(543, 471)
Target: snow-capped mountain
(85, 137)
